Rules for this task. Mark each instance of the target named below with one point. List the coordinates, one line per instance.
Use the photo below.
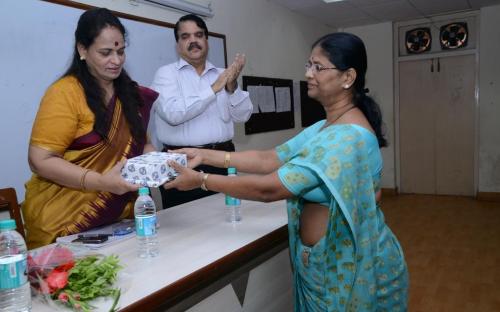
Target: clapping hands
(228, 78)
(234, 71)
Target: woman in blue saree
(344, 256)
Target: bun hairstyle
(345, 50)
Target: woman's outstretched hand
(194, 156)
(113, 181)
(187, 179)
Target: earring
(346, 86)
(82, 58)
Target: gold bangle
(203, 185)
(227, 159)
(82, 179)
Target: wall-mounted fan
(418, 40)
(453, 36)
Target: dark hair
(90, 25)
(194, 18)
(346, 51)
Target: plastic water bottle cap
(143, 191)
(7, 224)
(231, 170)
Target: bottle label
(13, 271)
(145, 225)
(231, 201)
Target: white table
(197, 247)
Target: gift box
(152, 169)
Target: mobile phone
(123, 227)
(91, 238)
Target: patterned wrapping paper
(151, 169)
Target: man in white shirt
(198, 102)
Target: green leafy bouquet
(58, 275)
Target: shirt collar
(181, 63)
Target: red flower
(57, 280)
(65, 267)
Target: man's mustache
(194, 45)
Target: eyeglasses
(316, 68)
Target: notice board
(272, 99)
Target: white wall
(380, 80)
(275, 40)
(489, 100)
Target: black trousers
(175, 197)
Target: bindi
(116, 43)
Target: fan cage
(454, 36)
(418, 40)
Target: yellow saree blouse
(64, 125)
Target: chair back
(8, 200)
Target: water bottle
(145, 224)
(15, 292)
(232, 204)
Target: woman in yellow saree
(89, 122)
(344, 256)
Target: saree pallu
(358, 265)
(51, 210)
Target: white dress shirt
(188, 112)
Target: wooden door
(437, 126)
(455, 126)
(417, 122)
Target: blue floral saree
(358, 265)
